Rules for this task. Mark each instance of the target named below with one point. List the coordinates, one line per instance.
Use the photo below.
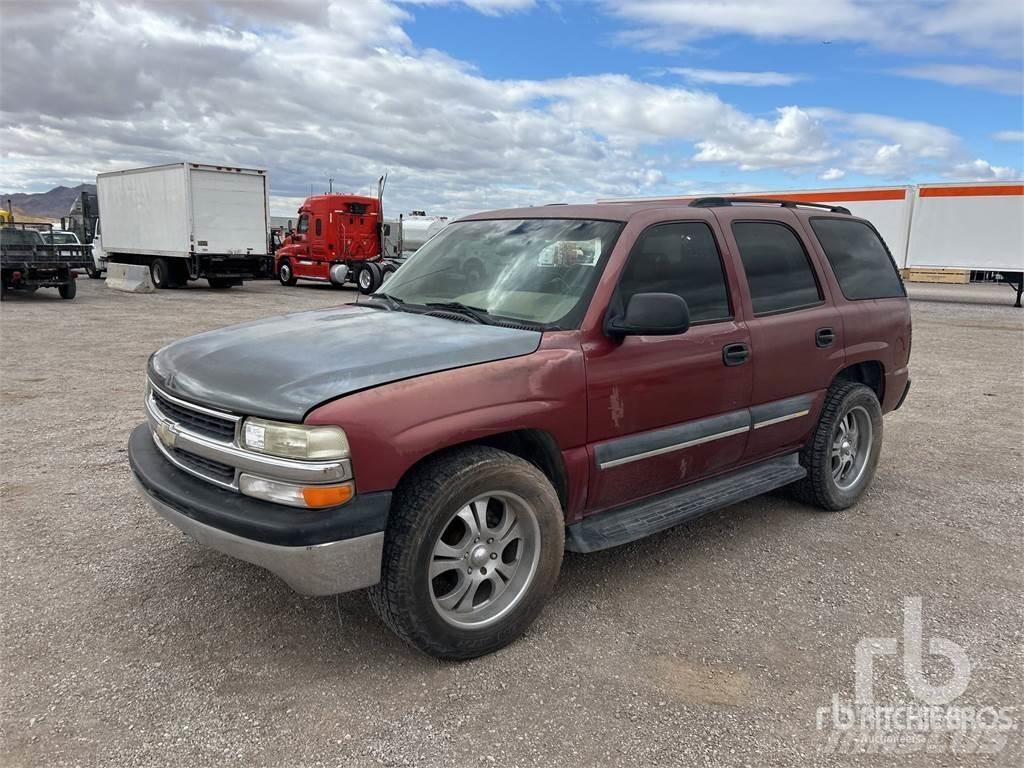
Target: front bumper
(316, 552)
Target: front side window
(303, 226)
(859, 259)
(778, 270)
(683, 259)
(539, 271)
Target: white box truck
(186, 221)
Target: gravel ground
(715, 644)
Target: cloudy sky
(485, 103)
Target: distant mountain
(52, 204)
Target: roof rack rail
(719, 202)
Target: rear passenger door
(795, 331)
(665, 411)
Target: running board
(626, 524)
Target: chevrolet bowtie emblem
(166, 434)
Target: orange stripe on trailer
(850, 195)
(996, 190)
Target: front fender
(392, 427)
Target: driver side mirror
(651, 314)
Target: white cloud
(1008, 136)
(310, 90)
(832, 174)
(981, 170)
(728, 77)
(489, 7)
(794, 140)
(989, 25)
(1009, 81)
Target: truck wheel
(285, 274)
(160, 271)
(368, 279)
(68, 290)
(93, 273)
(472, 551)
(842, 454)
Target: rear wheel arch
(870, 373)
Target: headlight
(294, 441)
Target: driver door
(664, 411)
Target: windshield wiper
(392, 302)
(478, 314)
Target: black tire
(93, 273)
(422, 510)
(284, 272)
(368, 278)
(68, 290)
(160, 272)
(220, 283)
(820, 488)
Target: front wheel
(842, 454)
(68, 290)
(285, 274)
(93, 273)
(472, 552)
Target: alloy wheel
(484, 560)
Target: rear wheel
(472, 551)
(160, 271)
(842, 454)
(68, 290)
(368, 279)
(285, 274)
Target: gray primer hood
(281, 367)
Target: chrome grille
(204, 467)
(197, 421)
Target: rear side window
(682, 259)
(859, 259)
(319, 228)
(778, 271)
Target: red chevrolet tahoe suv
(530, 381)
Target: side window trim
(616, 296)
(807, 256)
(885, 247)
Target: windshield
(11, 236)
(541, 271)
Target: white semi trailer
(964, 226)
(186, 221)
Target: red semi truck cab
(337, 238)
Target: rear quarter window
(859, 259)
